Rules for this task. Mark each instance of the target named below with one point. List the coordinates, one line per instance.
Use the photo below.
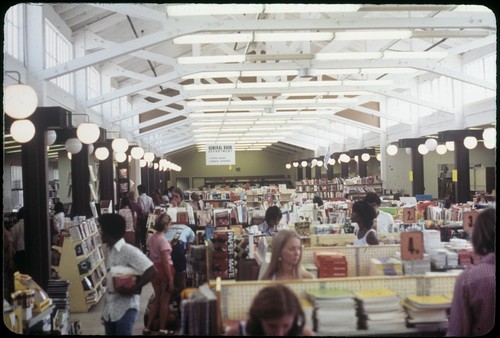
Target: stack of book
(427, 312)
(385, 267)
(380, 310)
(59, 293)
(334, 310)
(330, 264)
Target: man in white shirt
(384, 223)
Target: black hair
(372, 197)
(58, 207)
(141, 188)
(125, 202)
(112, 225)
(318, 200)
(483, 232)
(365, 211)
(273, 212)
(20, 213)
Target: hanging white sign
(220, 154)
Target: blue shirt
(186, 235)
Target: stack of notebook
(330, 264)
(334, 310)
(427, 312)
(385, 267)
(380, 310)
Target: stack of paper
(427, 310)
(334, 310)
(380, 310)
(330, 264)
(385, 267)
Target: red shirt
(472, 310)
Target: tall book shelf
(80, 260)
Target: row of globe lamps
(21, 101)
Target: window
(93, 85)
(14, 33)
(58, 50)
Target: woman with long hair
(286, 256)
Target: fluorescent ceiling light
(293, 36)
(190, 60)
(266, 121)
(415, 55)
(239, 122)
(305, 8)
(213, 9)
(296, 84)
(373, 35)
(348, 56)
(206, 123)
(262, 85)
(212, 38)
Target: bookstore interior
(303, 107)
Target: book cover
(204, 217)
(124, 280)
(222, 217)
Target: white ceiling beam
(135, 11)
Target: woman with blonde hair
(163, 284)
(286, 256)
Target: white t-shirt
(385, 222)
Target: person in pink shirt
(472, 310)
(163, 284)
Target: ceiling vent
(306, 72)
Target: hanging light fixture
(88, 132)
(379, 157)
(365, 157)
(119, 145)
(288, 165)
(408, 150)
(489, 134)
(69, 155)
(319, 163)
(450, 145)
(441, 149)
(431, 144)
(101, 153)
(303, 163)
(149, 157)
(470, 142)
(155, 166)
(392, 149)
(137, 152)
(22, 130)
(331, 161)
(20, 101)
(142, 163)
(422, 149)
(295, 164)
(73, 145)
(50, 137)
(120, 157)
(314, 162)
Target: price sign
(412, 245)
(409, 215)
(469, 220)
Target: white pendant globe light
(20, 101)
(101, 153)
(142, 163)
(88, 132)
(50, 137)
(319, 163)
(137, 152)
(150, 164)
(73, 145)
(490, 144)
(356, 158)
(408, 151)
(431, 144)
(314, 162)
(288, 165)
(155, 166)
(69, 155)
(379, 157)
(470, 142)
(392, 149)
(422, 149)
(450, 145)
(22, 130)
(303, 163)
(120, 157)
(441, 149)
(119, 145)
(489, 134)
(344, 158)
(90, 148)
(149, 157)
(365, 157)
(331, 161)
(295, 164)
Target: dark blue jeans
(123, 326)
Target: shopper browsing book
(384, 220)
(122, 304)
(272, 219)
(363, 215)
(275, 311)
(286, 258)
(472, 310)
